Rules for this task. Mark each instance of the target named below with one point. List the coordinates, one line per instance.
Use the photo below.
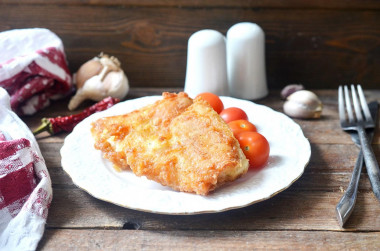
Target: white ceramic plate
(289, 155)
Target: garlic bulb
(303, 104)
(99, 78)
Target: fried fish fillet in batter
(178, 142)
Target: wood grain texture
(206, 240)
(307, 43)
(289, 210)
(289, 4)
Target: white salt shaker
(206, 69)
(246, 61)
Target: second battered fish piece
(192, 151)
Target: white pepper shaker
(206, 69)
(246, 61)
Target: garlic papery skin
(99, 78)
(303, 105)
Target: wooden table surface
(301, 217)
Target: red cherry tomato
(233, 113)
(239, 126)
(255, 147)
(213, 100)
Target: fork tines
(359, 104)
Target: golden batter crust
(177, 141)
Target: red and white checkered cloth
(33, 68)
(25, 185)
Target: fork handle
(370, 162)
(346, 204)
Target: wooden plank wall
(318, 43)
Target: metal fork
(346, 205)
(358, 123)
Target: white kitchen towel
(25, 185)
(33, 68)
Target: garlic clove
(96, 83)
(290, 89)
(92, 88)
(303, 104)
(87, 70)
(116, 85)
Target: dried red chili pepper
(67, 123)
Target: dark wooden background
(320, 44)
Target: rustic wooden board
(289, 210)
(290, 4)
(206, 240)
(311, 44)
